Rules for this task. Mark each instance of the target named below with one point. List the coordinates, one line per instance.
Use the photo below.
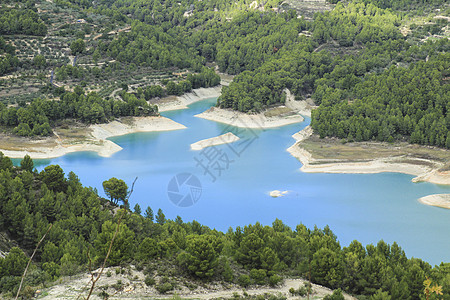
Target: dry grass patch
(17, 143)
(277, 111)
(333, 149)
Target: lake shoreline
(181, 102)
(438, 200)
(95, 139)
(226, 138)
(423, 169)
(243, 120)
(92, 138)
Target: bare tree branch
(29, 261)
(90, 272)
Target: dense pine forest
(371, 80)
(35, 118)
(84, 223)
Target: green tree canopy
(200, 257)
(160, 217)
(77, 46)
(149, 213)
(39, 61)
(27, 163)
(115, 189)
(123, 246)
(53, 177)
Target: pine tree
(149, 213)
(27, 164)
(160, 217)
(137, 209)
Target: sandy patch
(439, 200)
(138, 124)
(182, 102)
(103, 148)
(303, 107)
(218, 140)
(95, 139)
(225, 79)
(244, 120)
(434, 176)
(423, 169)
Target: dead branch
(29, 261)
(90, 272)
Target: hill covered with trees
(360, 102)
(35, 118)
(83, 225)
(370, 79)
(38, 117)
(350, 59)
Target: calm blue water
(363, 207)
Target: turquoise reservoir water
(366, 207)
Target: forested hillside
(84, 223)
(403, 5)
(8, 61)
(352, 60)
(34, 119)
(22, 20)
(38, 117)
(397, 103)
(360, 102)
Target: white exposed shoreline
(96, 135)
(438, 200)
(243, 120)
(140, 124)
(96, 138)
(182, 102)
(218, 140)
(390, 164)
(303, 107)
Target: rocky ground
(128, 283)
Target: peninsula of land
(332, 156)
(67, 139)
(282, 115)
(79, 137)
(275, 117)
(226, 138)
(439, 200)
